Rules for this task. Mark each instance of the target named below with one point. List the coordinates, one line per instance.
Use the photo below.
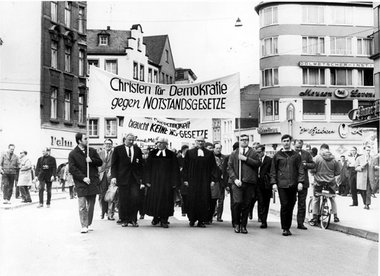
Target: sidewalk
(56, 194)
(354, 221)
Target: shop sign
(339, 93)
(267, 130)
(316, 130)
(60, 142)
(335, 64)
(364, 113)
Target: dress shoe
(219, 220)
(366, 207)
(237, 228)
(336, 219)
(124, 224)
(47, 205)
(286, 233)
(263, 225)
(40, 206)
(119, 221)
(155, 221)
(192, 223)
(164, 225)
(90, 228)
(351, 205)
(201, 225)
(135, 224)
(102, 216)
(243, 230)
(208, 222)
(111, 218)
(84, 230)
(302, 227)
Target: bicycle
(324, 215)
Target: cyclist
(326, 168)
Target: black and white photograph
(189, 137)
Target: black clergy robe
(199, 171)
(162, 172)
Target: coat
(78, 169)
(374, 172)
(25, 174)
(362, 167)
(249, 168)
(123, 169)
(46, 168)
(308, 163)
(9, 165)
(264, 173)
(287, 169)
(218, 188)
(105, 171)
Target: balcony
(375, 45)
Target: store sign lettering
(316, 130)
(335, 64)
(267, 130)
(339, 93)
(60, 142)
(311, 93)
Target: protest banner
(116, 96)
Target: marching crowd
(130, 180)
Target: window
(54, 103)
(135, 71)
(313, 14)
(268, 16)
(155, 74)
(340, 108)
(167, 79)
(81, 63)
(365, 77)
(54, 55)
(341, 76)
(170, 79)
(142, 72)
(111, 128)
(81, 20)
(342, 15)
(103, 40)
(270, 110)
(162, 77)
(93, 62)
(366, 103)
(139, 44)
(150, 75)
(269, 77)
(67, 108)
(111, 66)
(93, 127)
(68, 14)
(313, 76)
(53, 11)
(341, 45)
(269, 46)
(313, 109)
(363, 47)
(67, 59)
(81, 109)
(167, 56)
(313, 45)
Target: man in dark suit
(105, 179)
(308, 163)
(264, 187)
(353, 175)
(126, 173)
(244, 183)
(86, 185)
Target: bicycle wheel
(310, 209)
(325, 213)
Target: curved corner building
(315, 68)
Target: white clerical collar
(161, 152)
(200, 152)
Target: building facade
(129, 54)
(184, 76)
(315, 68)
(43, 83)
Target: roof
(118, 41)
(192, 74)
(155, 46)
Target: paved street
(48, 242)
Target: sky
(202, 34)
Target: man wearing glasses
(242, 168)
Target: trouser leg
(91, 206)
(123, 201)
(236, 204)
(264, 196)
(354, 192)
(248, 194)
(301, 205)
(287, 199)
(83, 212)
(41, 189)
(48, 191)
(211, 209)
(184, 204)
(220, 205)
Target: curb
(28, 204)
(365, 234)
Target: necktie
(107, 156)
(244, 151)
(129, 152)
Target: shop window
(340, 108)
(365, 104)
(271, 112)
(111, 66)
(313, 45)
(313, 76)
(110, 127)
(269, 46)
(365, 77)
(313, 109)
(93, 127)
(341, 76)
(313, 14)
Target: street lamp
(238, 23)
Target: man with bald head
(126, 173)
(199, 174)
(161, 177)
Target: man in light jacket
(9, 165)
